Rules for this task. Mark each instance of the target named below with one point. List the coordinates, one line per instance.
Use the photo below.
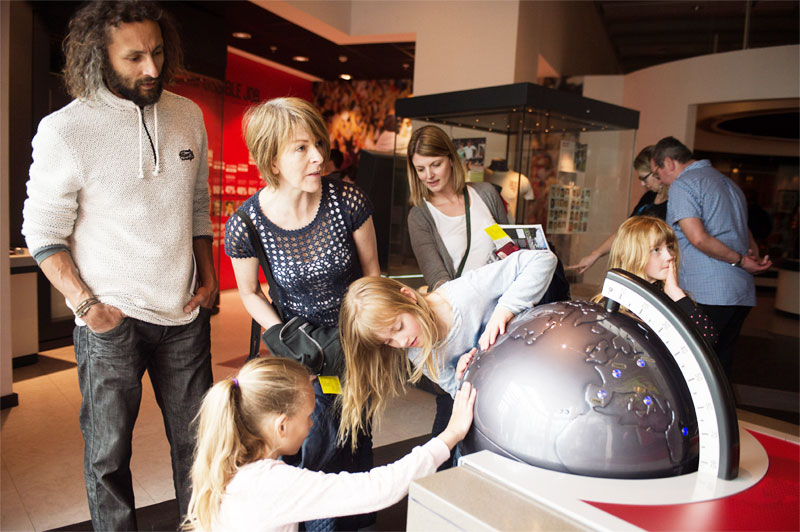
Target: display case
(557, 158)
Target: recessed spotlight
(346, 77)
(273, 48)
(343, 59)
(300, 59)
(406, 66)
(242, 35)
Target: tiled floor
(41, 448)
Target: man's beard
(131, 90)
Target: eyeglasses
(644, 177)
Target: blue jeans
(110, 369)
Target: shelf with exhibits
(557, 145)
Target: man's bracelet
(85, 305)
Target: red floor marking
(772, 504)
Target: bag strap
(469, 233)
(255, 241)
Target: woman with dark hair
(652, 203)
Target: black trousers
(728, 320)
(444, 408)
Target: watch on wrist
(738, 263)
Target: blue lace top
(313, 265)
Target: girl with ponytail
(247, 422)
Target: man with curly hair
(117, 218)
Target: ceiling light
(242, 35)
(273, 48)
(346, 77)
(406, 66)
(300, 59)
(343, 59)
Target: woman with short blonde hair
(269, 126)
(318, 237)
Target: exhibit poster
(472, 152)
(568, 211)
(581, 152)
(572, 157)
(566, 156)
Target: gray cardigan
(432, 257)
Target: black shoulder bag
(317, 348)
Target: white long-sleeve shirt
(95, 190)
(269, 495)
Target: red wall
(232, 176)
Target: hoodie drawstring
(141, 157)
(141, 164)
(158, 158)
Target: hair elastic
(235, 382)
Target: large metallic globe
(574, 388)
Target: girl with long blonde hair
(247, 422)
(392, 334)
(647, 247)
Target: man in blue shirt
(719, 256)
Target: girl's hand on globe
(463, 362)
(461, 418)
(495, 327)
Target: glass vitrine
(558, 159)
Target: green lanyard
(469, 232)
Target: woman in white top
(437, 222)
(247, 422)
